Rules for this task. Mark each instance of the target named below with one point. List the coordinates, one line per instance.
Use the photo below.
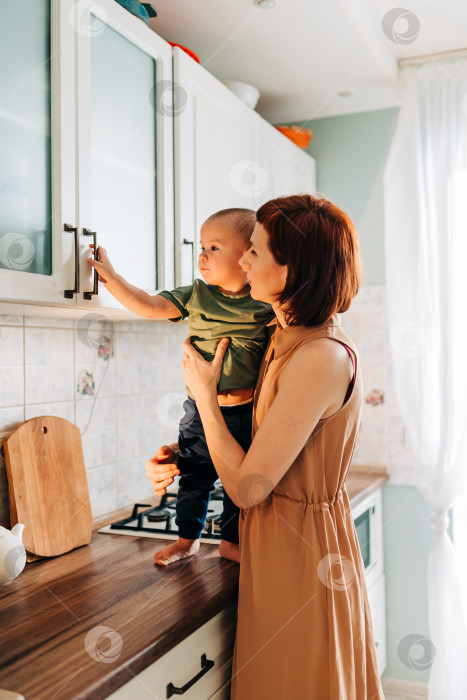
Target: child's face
(221, 249)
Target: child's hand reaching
(103, 266)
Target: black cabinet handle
(192, 243)
(68, 293)
(206, 664)
(95, 289)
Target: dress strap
(352, 381)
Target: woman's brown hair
(318, 243)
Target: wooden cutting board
(48, 488)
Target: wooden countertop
(48, 611)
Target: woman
(304, 627)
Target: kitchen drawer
(215, 639)
(377, 600)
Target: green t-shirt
(213, 315)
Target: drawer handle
(206, 664)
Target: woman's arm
(315, 380)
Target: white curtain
(425, 199)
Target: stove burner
(159, 514)
(153, 520)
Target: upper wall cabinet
(87, 151)
(225, 155)
(37, 167)
(215, 148)
(125, 156)
(99, 121)
(288, 169)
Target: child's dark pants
(197, 472)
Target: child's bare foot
(178, 550)
(229, 550)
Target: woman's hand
(103, 266)
(162, 468)
(200, 376)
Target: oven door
(368, 525)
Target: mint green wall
(407, 539)
(350, 153)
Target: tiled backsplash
(139, 398)
(382, 438)
(47, 364)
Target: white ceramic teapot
(12, 553)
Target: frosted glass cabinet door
(125, 150)
(36, 52)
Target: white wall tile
(11, 346)
(49, 383)
(11, 386)
(11, 418)
(62, 409)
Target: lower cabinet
(201, 663)
(377, 600)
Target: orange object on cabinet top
(188, 51)
(298, 134)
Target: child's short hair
(242, 220)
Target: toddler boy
(221, 306)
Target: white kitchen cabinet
(226, 155)
(111, 139)
(377, 600)
(288, 168)
(37, 167)
(103, 166)
(216, 154)
(209, 649)
(368, 519)
(125, 160)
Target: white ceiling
(302, 52)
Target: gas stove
(159, 521)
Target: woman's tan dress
(304, 629)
